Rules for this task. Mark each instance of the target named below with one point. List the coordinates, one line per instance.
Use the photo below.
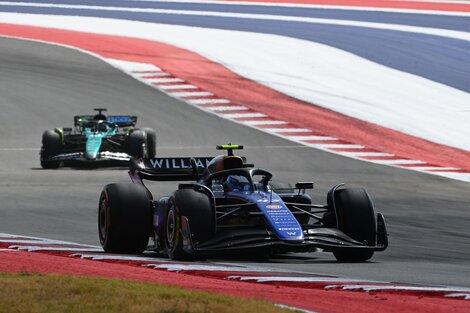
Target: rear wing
(168, 169)
(120, 120)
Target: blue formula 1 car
(97, 139)
(233, 207)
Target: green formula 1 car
(97, 139)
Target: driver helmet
(237, 183)
(103, 127)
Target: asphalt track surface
(42, 86)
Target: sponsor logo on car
(178, 163)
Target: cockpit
(236, 183)
(98, 126)
(239, 180)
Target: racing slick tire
(151, 142)
(124, 218)
(197, 209)
(137, 143)
(356, 219)
(51, 146)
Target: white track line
(302, 138)
(263, 279)
(164, 80)
(254, 123)
(398, 162)
(207, 101)
(334, 146)
(37, 248)
(431, 168)
(325, 6)
(240, 15)
(99, 257)
(40, 240)
(369, 288)
(241, 115)
(283, 306)
(175, 267)
(151, 75)
(287, 130)
(465, 296)
(191, 94)
(151, 72)
(29, 241)
(226, 108)
(367, 154)
(170, 87)
(134, 66)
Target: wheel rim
(170, 228)
(103, 221)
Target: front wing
(81, 157)
(246, 240)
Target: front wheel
(190, 219)
(51, 146)
(124, 218)
(356, 218)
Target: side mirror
(217, 189)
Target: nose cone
(93, 145)
(281, 219)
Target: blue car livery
(233, 207)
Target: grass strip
(35, 293)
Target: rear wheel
(124, 218)
(51, 146)
(151, 142)
(356, 218)
(197, 209)
(137, 143)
